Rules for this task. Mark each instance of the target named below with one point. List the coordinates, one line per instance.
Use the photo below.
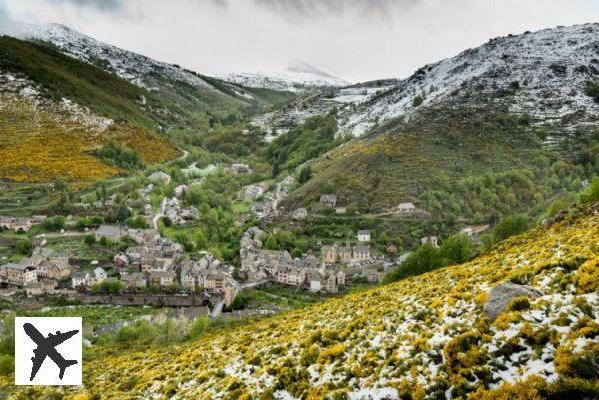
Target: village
(145, 263)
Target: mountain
(542, 75)
(54, 110)
(298, 76)
(499, 129)
(187, 96)
(422, 337)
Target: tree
(305, 174)
(592, 193)
(271, 243)
(426, 258)
(105, 242)
(198, 327)
(457, 249)
(89, 240)
(510, 226)
(123, 213)
(24, 247)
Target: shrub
(510, 226)
(24, 247)
(7, 364)
(331, 353)
(426, 258)
(417, 100)
(586, 277)
(583, 364)
(89, 239)
(592, 90)
(457, 249)
(199, 326)
(115, 154)
(592, 193)
(519, 303)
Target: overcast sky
(354, 39)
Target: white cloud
(354, 39)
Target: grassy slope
(443, 147)
(63, 76)
(40, 143)
(38, 146)
(425, 334)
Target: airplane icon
(46, 347)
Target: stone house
(46, 286)
(251, 192)
(18, 274)
(58, 271)
(299, 214)
(151, 264)
(474, 230)
(430, 240)
(328, 200)
(21, 225)
(240, 168)
(189, 213)
(160, 177)
(80, 279)
(135, 280)
(181, 190)
(361, 252)
(5, 222)
(363, 235)
(215, 282)
(291, 276)
(162, 279)
(406, 208)
(340, 210)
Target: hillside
(55, 109)
(506, 127)
(543, 75)
(423, 336)
(183, 98)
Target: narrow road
(159, 214)
(251, 285)
(218, 309)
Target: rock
(500, 296)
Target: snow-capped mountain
(542, 74)
(298, 76)
(135, 68)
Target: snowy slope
(542, 74)
(298, 76)
(133, 67)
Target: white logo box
(70, 350)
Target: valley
(297, 236)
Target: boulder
(500, 295)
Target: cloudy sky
(354, 39)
